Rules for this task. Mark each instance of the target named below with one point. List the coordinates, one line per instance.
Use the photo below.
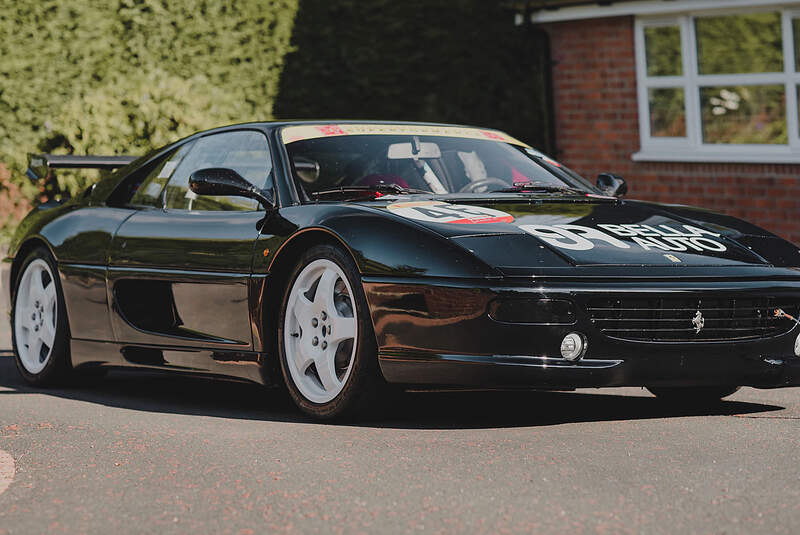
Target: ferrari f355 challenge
(344, 258)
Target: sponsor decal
(679, 238)
(291, 134)
(493, 135)
(331, 130)
(442, 212)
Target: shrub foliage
(125, 76)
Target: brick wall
(597, 129)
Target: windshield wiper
(538, 187)
(366, 191)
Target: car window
(435, 163)
(148, 190)
(246, 152)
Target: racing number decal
(667, 238)
(573, 237)
(663, 237)
(442, 212)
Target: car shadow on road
(170, 393)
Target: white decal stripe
(290, 134)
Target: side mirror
(612, 185)
(227, 182)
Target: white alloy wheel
(320, 331)
(36, 316)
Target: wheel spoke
(342, 329)
(326, 370)
(302, 308)
(35, 348)
(26, 318)
(301, 356)
(324, 296)
(37, 286)
(49, 296)
(33, 294)
(25, 334)
(48, 331)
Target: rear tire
(693, 394)
(39, 330)
(326, 343)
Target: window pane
(667, 112)
(663, 50)
(149, 191)
(796, 26)
(739, 43)
(744, 114)
(245, 152)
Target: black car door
(179, 268)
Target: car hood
(523, 233)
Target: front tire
(694, 395)
(327, 347)
(39, 322)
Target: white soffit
(649, 7)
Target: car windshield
(420, 159)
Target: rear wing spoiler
(40, 164)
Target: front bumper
(439, 333)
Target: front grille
(669, 319)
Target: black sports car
(344, 258)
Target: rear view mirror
(612, 185)
(307, 169)
(404, 151)
(227, 182)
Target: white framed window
(719, 86)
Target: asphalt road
(148, 453)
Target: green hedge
(124, 76)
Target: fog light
(797, 346)
(573, 346)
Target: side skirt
(236, 364)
